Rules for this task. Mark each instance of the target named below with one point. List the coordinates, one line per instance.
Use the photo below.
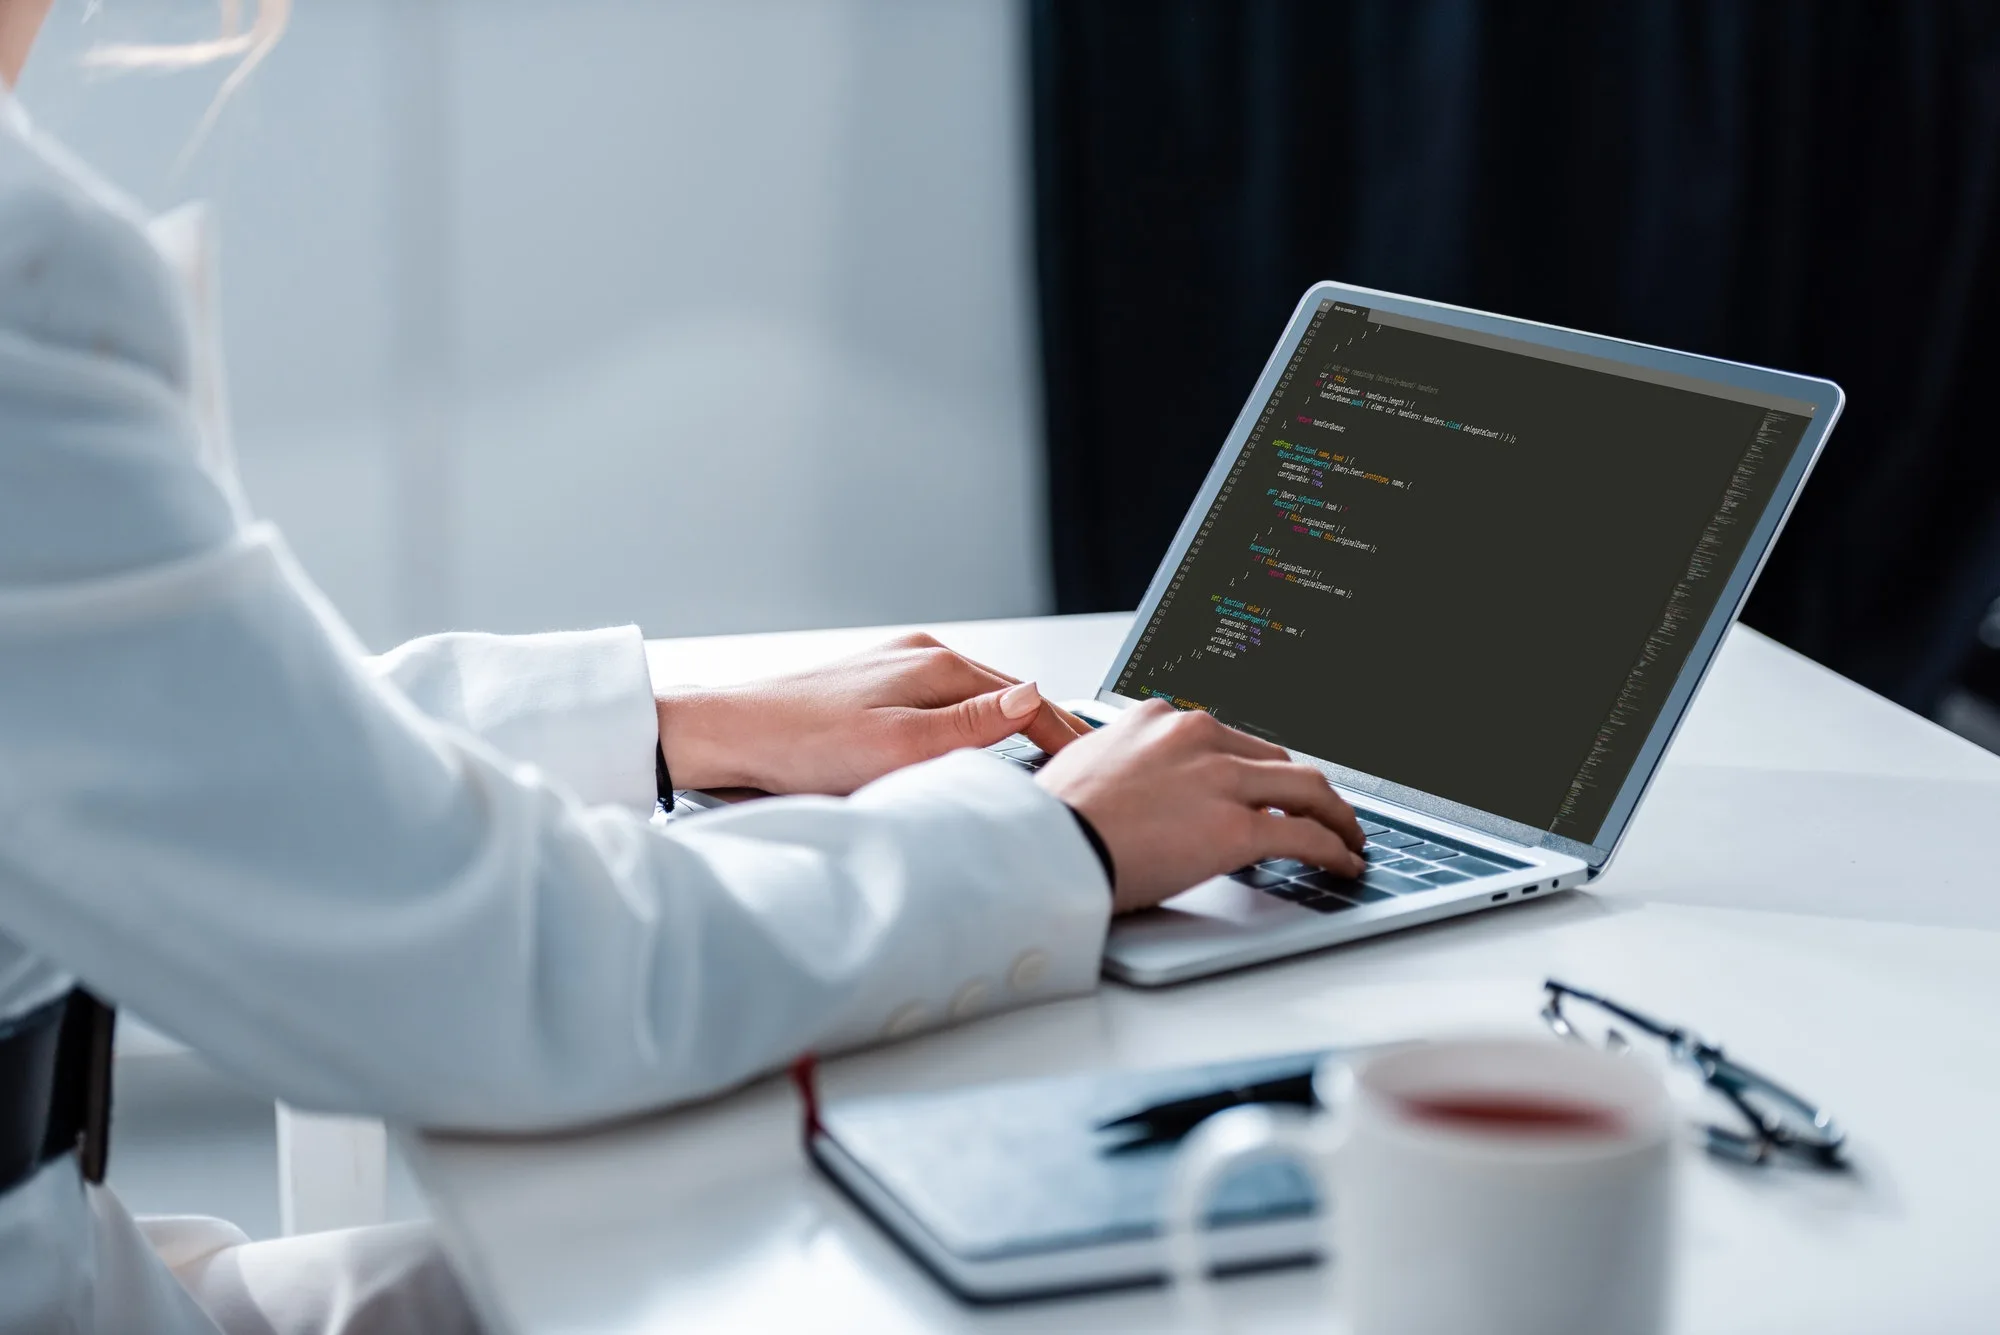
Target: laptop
(1472, 568)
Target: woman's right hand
(1179, 797)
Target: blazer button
(904, 1020)
(1029, 969)
(970, 999)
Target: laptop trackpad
(1217, 908)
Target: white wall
(708, 314)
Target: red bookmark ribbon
(805, 1079)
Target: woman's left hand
(837, 727)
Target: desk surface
(1810, 881)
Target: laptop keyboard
(1400, 861)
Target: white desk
(1813, 881)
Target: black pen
(1175, 1118)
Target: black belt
(55, 1087)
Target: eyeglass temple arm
(1671, 1033)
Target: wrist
(1095, 839)
(695, 738)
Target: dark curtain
(1809, 185)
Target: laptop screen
(1467, 564)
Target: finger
(1052, 728)
(1049, 730)
(1077, 726)
(980, 720)
(1276, 835)
(1300, 790)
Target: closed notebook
(1010, 1191)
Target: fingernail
(1021, 701)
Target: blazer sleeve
(577, 704)
(214, 810)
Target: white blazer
(423, 887)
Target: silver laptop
(1474, 569)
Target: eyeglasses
(1771, 1121)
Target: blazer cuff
(577, 705)
(1032, 913)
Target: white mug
(1499, 1186)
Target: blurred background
(723, 315)
(1808, 184)
(710, 316)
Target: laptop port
(1497, 898)
(1529, 889)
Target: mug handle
(1219, 1146)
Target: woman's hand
(1179, 798)
(835, 728)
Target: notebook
(1010, 1191)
